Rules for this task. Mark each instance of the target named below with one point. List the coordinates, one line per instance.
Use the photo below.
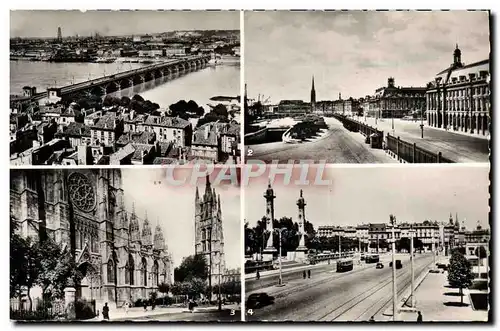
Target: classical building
(458, 98)
(391, 101)
(479, 235)
(209, 239)
(121, 257)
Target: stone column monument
(269, 250)
(301, 250)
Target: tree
(194, 266)
(220, 110)
(480, 252)
(163, 288)
(459, 272)
(152, 296)
(58, 270)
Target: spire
(146, 232)
(218, 201)
(313, 82)
(197, 197)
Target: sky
(174, 208)
(44, 23)
(369, 195)
(355, 52)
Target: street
(225, 315)
(338, 146)
(350, 296)
(454, 146)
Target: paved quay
(454, 146)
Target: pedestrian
(308, 273)
(145, 305)
(127, 305)
(304, 274)
(105, 312)
(153, 304)
(419, 318)
(372, 319)
(258, 275)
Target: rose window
(81, 192)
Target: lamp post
(280, 281)
(412, 234)
(340, 247)
(394, 287)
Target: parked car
(380, 265)
(257, 300)
(399, 265)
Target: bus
(372, 258)
(344, 265)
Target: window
(111, 271)
(155, 274)
(144, 272)
(129, 270)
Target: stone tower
(209, 237)
(313, 96)
(457, 57)
(301, 203)
(269, 196)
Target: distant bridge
(113, 83)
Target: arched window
(111, 271)
(129, 270)
(144, 272)
(155, 273)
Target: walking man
(309, 273)
(304, 274)
(258, 275)
(419, 318)
(145, 305)
(105, 312)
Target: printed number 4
(250, 312)
(249, 152)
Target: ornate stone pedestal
(268, 255)
(69, 301)
(300, 255)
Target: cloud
(356, 50)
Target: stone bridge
(113, 83)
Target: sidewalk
(138, 312)
(455, 146)
(438, 303)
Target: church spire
(313, 96)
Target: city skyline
(355, 52)
(406, 191)
(45, 23)
(174, 207)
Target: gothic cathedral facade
(84, 211)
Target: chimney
(207, 130)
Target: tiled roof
(470, 65)
(167, 121)
(139, 149)
(74, 129)
(137, 119)
(165, 148)
(165, 160)
(122, 153)
(106, 122)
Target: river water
(199, 85)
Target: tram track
(352, 303)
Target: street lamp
(422, 122)
(412, 233)
(394, 287)
(280, 282)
